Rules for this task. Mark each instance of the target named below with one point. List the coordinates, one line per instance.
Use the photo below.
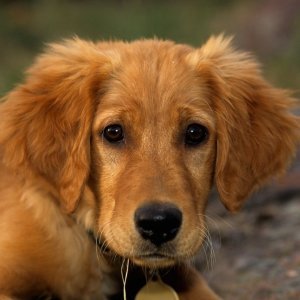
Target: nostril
(158, 222)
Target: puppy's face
(153, 155)
(147, 126)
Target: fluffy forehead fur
(151, 77)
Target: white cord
(124, 277)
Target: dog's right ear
(45, 123)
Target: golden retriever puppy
(126, 140)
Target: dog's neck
(136, 277)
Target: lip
(154, 260)
(153, 256)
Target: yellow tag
(155, 290)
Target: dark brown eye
(113, 133)
(195, 134)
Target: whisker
(104, 244)
(208, 248)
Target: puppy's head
(149, 127)
(154, 141)
(171, 122)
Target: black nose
(158, 222)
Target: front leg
(189, 284)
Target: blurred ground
(257, 250)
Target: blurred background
(256, 252)
(270, 28)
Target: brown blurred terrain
(257, 250)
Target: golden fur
(59, 177)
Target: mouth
(154, 260)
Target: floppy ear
(256, 133)
(45, 123)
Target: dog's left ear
(256, 133)
(46, 122)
